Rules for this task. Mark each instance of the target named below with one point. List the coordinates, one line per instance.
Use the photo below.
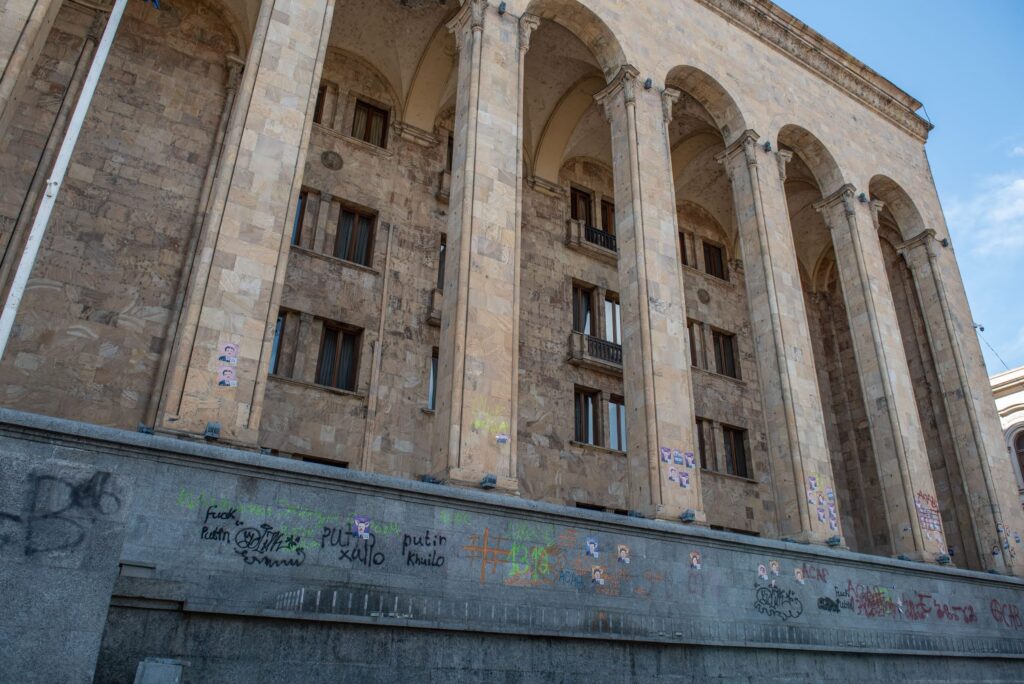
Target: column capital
(925, 240)
(669, 96)
(527, 24)
(876, 209)
(745, 144)
(471, 15)
(844, 196)
(625, 82)
(783, 157)
(235, 66)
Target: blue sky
(964, 59)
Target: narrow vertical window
(608, 217)
(355, 237)
(582, 309)
(735, 451)
(691, 328)
(300, 216)
(370, 124)
(702, 449)
(275, 348)
(432, 382)
(714, 261)
(339, 358)
(612, 319)
(586, 416)
(1019, 448)
(318, 108)
(450, 158)
(725, 353)
(441, 254)
(617, 423)
(683, 252)
(582, 206)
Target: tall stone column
(801, 468)
(23, 30)
(239, 266)
(987, 479)
(477, 368)
(656, 359)
(900, 453)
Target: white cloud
(1017, 151)
(992, 221)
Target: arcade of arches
(478, 244)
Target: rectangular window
(725, 353)
(321, 100)
(338, 363)
(735, 451)
(451, 154)
(617, 423)
(714, 261)
(582, 309)
(370, 124)
(586, 416)
(441, 254)
(684, 251)
(608, 217)
(691, 328)
(300, 216)
(275, 348)
(355, 237)
(703, 425)
(432, 383)
(612, 319)
(582, 208)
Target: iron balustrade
(600, 238)
(604, 350)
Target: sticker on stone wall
(695, 560)
(928, 512)
(228, 353)
(673, 474)
(361, 527)
(502, 439)
(677, 457)
(623, 553)
(591, 548)
(830, 495)
(688, 457)
(597, 575)
(812, 483)
(821, 514)
(227, 377)
(774, 567)
(666, 455)
(762, 572)
(684, 479)
(798, 575)
(1016, 538)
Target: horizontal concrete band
(215, 530)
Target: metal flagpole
(53, 184)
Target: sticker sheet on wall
(361, 527)
(695, 560)
(591, 549)
(227, 360)
(597, 575)
(622, 552)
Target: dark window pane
(361, 253)
(432, 383)
(370, 124)
(451, 154)
(691, 328)
(735, 451)
(617, 424)
(275, 348)
(725, 354)
(441, 254)
(612, 321)
(345, 226)
(701, 443)
(355, 238)
(582, 206)
(586, 417)
(318, 109)
(347, 362)
(300, 217)
(582, 299)
(608, 217)
(682, 249)
(714, 261)
(327, 364)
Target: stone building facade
(683, 260)
(1008, 389)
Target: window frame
(580, 396)
(320, 105)
(608, 216)
(618, 441)
(371, 110)
(275, 345)
(442, 257)
(432, 381)
(719, 271)
(574, 192)
(703, 454)
(731, 436)
(733, 355)
(583, 292)
(342, 332)
(353, 241)
(612, 319)
(299, 222)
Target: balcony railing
(593, 352)
(601, 238)
(593, 241)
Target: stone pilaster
(239, 267)
(987, 479)
(798, 446)
(656, 359)
(477, 368)
(900, 452)
(24, 26)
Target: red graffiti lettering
(815, 574)
(1006, 614)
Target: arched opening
(571, 414)
(898, 221)
(726, 389)
(811, 175)
(1018, 453)
(96, 318)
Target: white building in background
(1008, 389)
